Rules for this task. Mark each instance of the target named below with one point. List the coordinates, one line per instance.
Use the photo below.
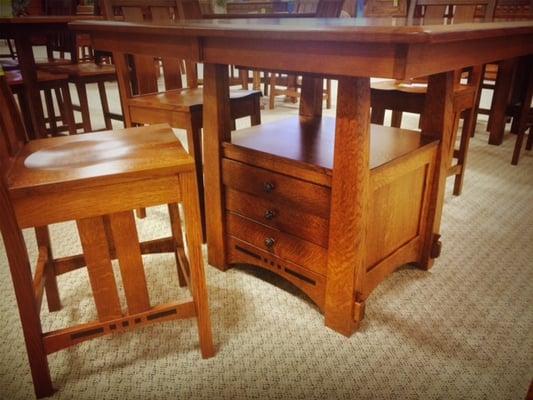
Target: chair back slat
(146, 68)
(12, 132)
(329, 8)
(451, 11)
(189, 9)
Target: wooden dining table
(23, 30)
(332, 205)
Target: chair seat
(14, 78)
(49, 62)
(406, 87)
(183, 99)
(94, 159)
(84, 70)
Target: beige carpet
(460, 331)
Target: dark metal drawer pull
(270, 242)
(270, 214)
(268, 187)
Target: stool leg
(175, 224)
(42, 235)
(378, 115)
(50, 111)
(255, 117)
(272, 98)
(194, 140)
(396, 119)
(68, 111)
(328, 94)
(84, 105)
(105, 105)
(198, 287)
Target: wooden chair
(410, 96)
(81, 72)
(47, 83)
(96, 180)
(324, 9)
(180, 107)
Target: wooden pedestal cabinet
(277, 191)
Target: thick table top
(395, 47)
(47, 19)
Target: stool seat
(67, 163)
(182, 99)
(84, 69)
(14, 78)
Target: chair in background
(81, 72)
(409, 96)
(180, 107)
(47, 83)
(97, 180)
(324, 9)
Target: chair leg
(256, 82)
(328, 94)
(42, 236)
(198, 287)
(266, 76)
(529, 143)
(522, 124)
(175, 224)
(378, 115)
(272, 98)
(469, 124)
(396, 119)
(84, 106)
(67, 109)
(194, 139)
(105, 105)
(50, 111)
(255, 117)
(243, 74)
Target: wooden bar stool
(400, 96)
(97, 180)
(182, 108)
(47, 82)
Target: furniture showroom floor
(460, 331)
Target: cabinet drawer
(282, 189)
(279, 216)
(280, 244)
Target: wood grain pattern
(216, 130)
(128, 252)
(104, 288)
(349, 204)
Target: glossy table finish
(352, 51)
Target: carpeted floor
(459, 331)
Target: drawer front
(282, 189)
(279, 216)
(277, 243)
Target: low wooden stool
(96, 179)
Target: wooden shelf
(308, 144)
(310, 141)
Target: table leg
(216, 130)
(500, 100)
(31, 89)
(438, 104)
(349, 205)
